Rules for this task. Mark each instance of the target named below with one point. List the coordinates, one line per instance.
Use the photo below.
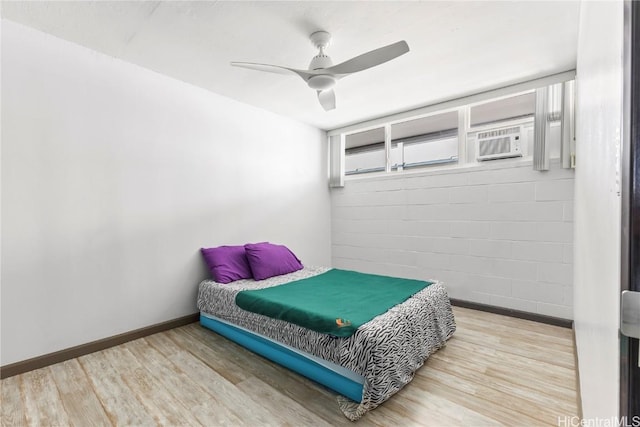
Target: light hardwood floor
(495, 370)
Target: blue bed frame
(288, 358)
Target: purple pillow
(227, 263)
(268, 260)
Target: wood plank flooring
(496, 370)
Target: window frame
(463, 106)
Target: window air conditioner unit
(499, 143)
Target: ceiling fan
(322, 75)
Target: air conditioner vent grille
(498, 132)
(495, 146)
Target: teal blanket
(336, 302)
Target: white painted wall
(114, 176)
(597, 205)
(498, 233)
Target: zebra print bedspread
(386, 351)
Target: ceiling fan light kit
(322, 75)
(321, 82)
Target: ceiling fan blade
(370, 59)
(273, 69)
(327, 99)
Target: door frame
(630, 195)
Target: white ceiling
(457, 48)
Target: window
(500, 123)
(535, 122)
(365, 152)
(425, 141)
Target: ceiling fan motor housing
(321, 81)
(320, 61)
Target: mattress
(386, 351)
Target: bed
(365, 368)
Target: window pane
(515, 107)
(364, 152)
(425, 141)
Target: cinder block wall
(498, 233)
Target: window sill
(450, 169)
